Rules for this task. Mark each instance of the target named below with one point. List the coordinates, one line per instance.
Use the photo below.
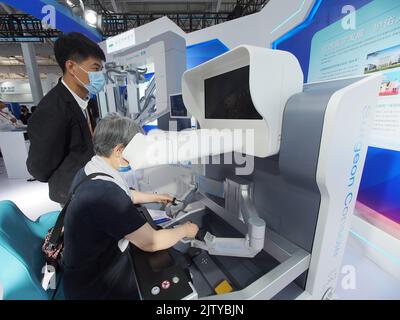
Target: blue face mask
(97, 81)
(124, 168)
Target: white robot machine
(277, 230)
(141, 78)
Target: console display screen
(178, 109)
(227, 96)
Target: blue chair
(21, 259)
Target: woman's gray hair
(112, 131)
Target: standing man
(61, 129)
(25, 114)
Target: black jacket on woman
(99, 215)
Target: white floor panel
(31, 197)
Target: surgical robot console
(141, 78)
(277, 231)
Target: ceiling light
(91, 17)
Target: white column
(32, 70)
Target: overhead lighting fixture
(91, 18)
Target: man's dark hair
(75, 46)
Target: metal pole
(32, 70)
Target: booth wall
(337, 43)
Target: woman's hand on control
(164, 198)
(143, 197)
(191, 229)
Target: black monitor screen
(227, 96)
(178, 108)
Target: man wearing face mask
(61, 128)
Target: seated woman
(101, 214)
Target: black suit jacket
(61, 142)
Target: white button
(155, 291)
(175, 279)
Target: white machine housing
(166, 54)
(284, 79)
(344, 146)
(325, 140)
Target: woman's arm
(142, 197)
(150, 240)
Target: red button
(165, 284)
